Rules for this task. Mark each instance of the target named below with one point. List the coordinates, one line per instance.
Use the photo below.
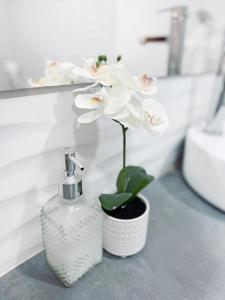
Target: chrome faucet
(176, 39)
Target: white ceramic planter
(126, 237)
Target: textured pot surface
(126, 237)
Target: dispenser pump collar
(71, 187)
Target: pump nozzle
(76, 162)
(70, 162)
(72, 183)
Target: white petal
(127, 79)
(123, 114)
(154, 109)
(56, 79)
(88, 62)
(119, 96)
(83, 73)
(84, 101)
(130, 122)
(158, 129)
(107, 79)
(85, 88)
(149, 92)
(135, 107)
(153, 106)
(149, 89)
(90, 116)
(118, 91)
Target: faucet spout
(175, 40)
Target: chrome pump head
(72, 184)
(70, 162)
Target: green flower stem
(124, 130)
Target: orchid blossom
(107, 101)
(56, 73)
(120, 96)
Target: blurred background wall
(60, 30)
(137, 19)
(34, 31)
(4, 41)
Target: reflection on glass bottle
(71, 227)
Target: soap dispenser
(71, 226)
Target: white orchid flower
(110, 102)
(56, 73)
(103, 73)
(134, 113)
(121, 97)
(111, 74)
(143, 84)
(146, 84)
(129, 109)
(154, 118)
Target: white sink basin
(204, 165)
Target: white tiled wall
(33, 129)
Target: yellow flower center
(96, 100)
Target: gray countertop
(184, 257)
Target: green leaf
(122, 181)
(112, 201)
(133, 179)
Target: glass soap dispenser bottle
(71, 227)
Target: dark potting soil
(130, 210)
